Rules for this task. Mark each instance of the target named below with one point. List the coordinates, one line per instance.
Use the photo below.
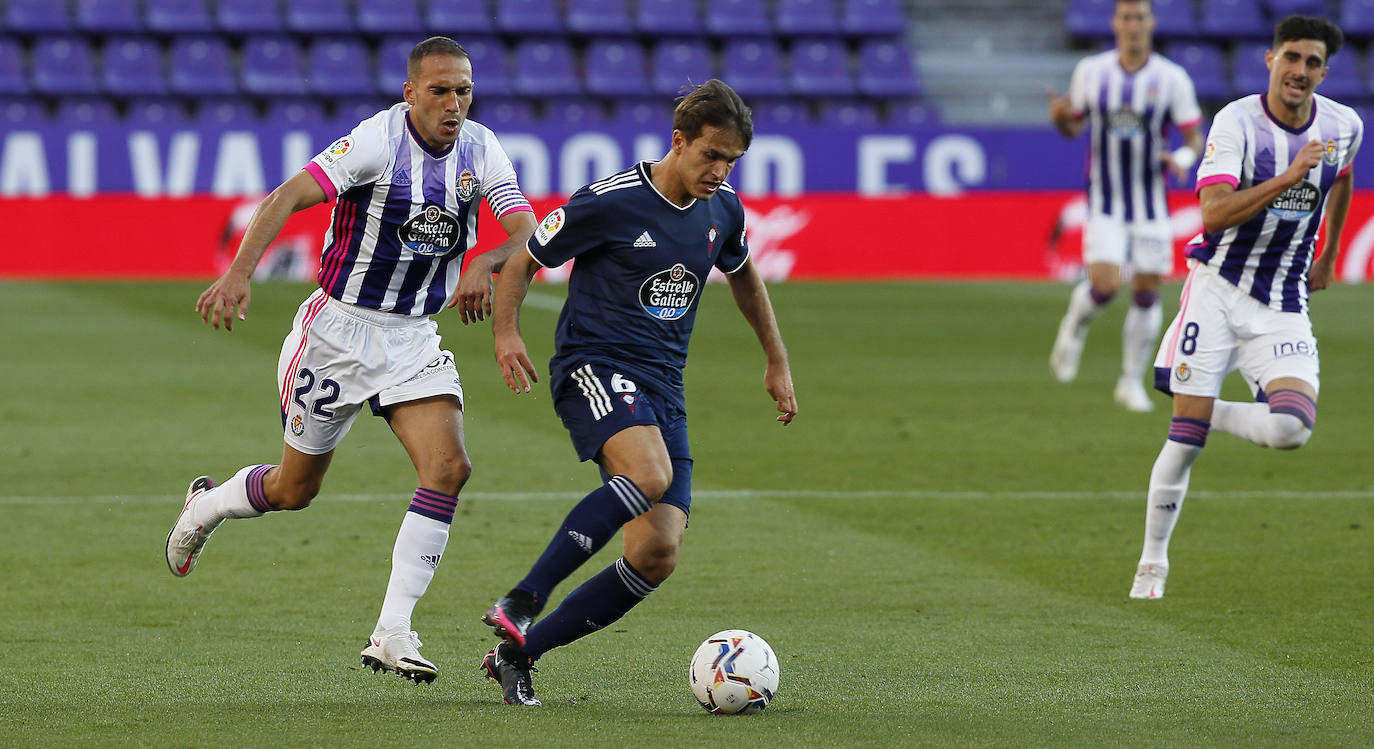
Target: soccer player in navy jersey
(1275, 164)
(644, 240)
(1127, 98)
(408, 183)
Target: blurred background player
(408, 182)
(1128, 96)
(1275, 164)
(645, 240)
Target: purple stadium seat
(677, 63)
(457, 20)
(873, 17)
(37, 16)
(1228, 20)
(799, 17)
(1357, 18)
(1206, 65)
(14, 79)
(820, 67)
(885, 69)
(490, 72)
(1248, 72)
(545, 67)
(320, 17)
(780, 113)
(615, 67)
(221, 112)
(85, 111)
(178, 16)
(272, 67)
(668, 18)
(1174, 19)
(914, 113)
(202, 66)
(598, 17)
(738, 18)
(1345, 77)
(390, 70)
(753, 67)
(1280, 9)
(390, 17)
(528, 17)
(295, 112)
(1090, 18)
(132, 66)
(647, 115)
(574, 114)
(108, 16)
(62, 66)
(22, 113)
(349, 112)
(249, 16)
(504, 114)
(339, 67)
(849, 114)
(155, 112)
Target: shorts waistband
(376, 317)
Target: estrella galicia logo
(668, 294)
(431, 231)
(1297, 202)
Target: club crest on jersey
(336, 150)
(711, 240)
(468, 185)
(1183, 372)
(1297, 202)
(550, 226)
(1125, 122)
(430, 231)
(668, 294)
(1330, 156)
(297, 425)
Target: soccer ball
(734, 672)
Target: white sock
(1139, 335)
(231, 499)
(1168, 487)
(1256, 423)
(419, 547)
(1082, 309)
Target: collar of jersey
(1264, 102)
(431, 150)
(649, 180)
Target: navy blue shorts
(596, 403)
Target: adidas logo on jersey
(645, 241)
(582, 540)
(431, 559)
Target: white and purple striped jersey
(406, 213)
(1268, 256)
(1128, 118)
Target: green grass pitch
(938, 549)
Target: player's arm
(1337, 207)
(511, 287)
(1182, 159)
(1068, 122)
(473, 297)
(228, 296)
(1223, 206)
(751, 296)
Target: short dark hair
(716, 104)
(1125, 2)
(435, 45)
(1293, 28)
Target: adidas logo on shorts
(645, 241)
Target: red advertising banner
(821, 236)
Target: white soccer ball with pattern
(734, 672)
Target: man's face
(1295, 69)
(708, 160)
(439, 98)
(1134, 25)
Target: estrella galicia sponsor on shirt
(668, 294)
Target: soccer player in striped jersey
(645, 240)
(1127, 98)
(1275, 164)
(406, 186)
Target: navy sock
(595, 604)
(586, 529)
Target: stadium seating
(155, 112)
(574, 114)
(873, 17)
(653, 115)
(501, 114)
(1174, 19)
(37, 16)
(22, 113)
(1090, 18)
(202, 66)
(1206, 65)
(319, 17)
(1357, 17)
(738, 18)
(806, 17)
(248, 16)
(528, 17)
(63, 66)
(390, 17)
(339, 67)
(848, 113)
(679, 62)
(349, 112)
(753, 67)
(178, 16)
(1279, 9)
(1248, 72)
(459, 19)
(820, 68)
(1227, 20)
(108, 16)
(272, 66)
(660, 18)
(132, 66)
(296, 112)
(912, 114)
(615, 67)
(545, 67)
(224, 112)
(598, 17)
(14, 78)
(885, 69)
(85, 111)
(1345, 77)
(772, 113)
(490, 72)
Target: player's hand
(515, 363)
(1322, 274)
(1180, 174)
(473, 295)
(778, 380)
(1060, 108)
(1309, 156)
(226, 299)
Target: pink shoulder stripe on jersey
(330, 192)
(1346, 170)
(1216, 179)
(518, 208)
(1190, 124)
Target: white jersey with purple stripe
(406, 213)
(1128, 116)
(1268, 256)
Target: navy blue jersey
(641, 263)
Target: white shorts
(339, 357)
(1220, 328)
(1149, 245)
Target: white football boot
(1130, 394)
(399, 651)
(1149, 581)
(187, 538)
(1068, 350)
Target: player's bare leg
(1086, 302)
(1139, 337)
(1168, 488)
